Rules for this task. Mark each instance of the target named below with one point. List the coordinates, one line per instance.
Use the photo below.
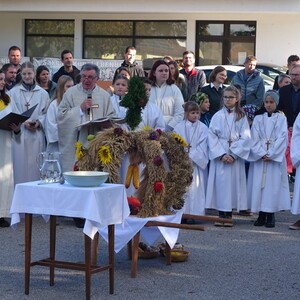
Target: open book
(103, 122)
(16, 118)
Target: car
(271, 70)
(232, 70)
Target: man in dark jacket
(291, 62)
(195, 79)
(289, 103)
(289, 97)
(130, 63)
(68, 68)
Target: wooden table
(105, 205)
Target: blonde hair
(60, 87)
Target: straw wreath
(167, 173)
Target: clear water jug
(49, 166)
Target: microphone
(89, 97)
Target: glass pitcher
(49, 166)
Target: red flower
(158, 186)
(134, 205)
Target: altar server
(268, 187)
(229, 142)
(195, 134)
(295, 156)
(6, 162)
(24, 96)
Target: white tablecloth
(132, 225)
(100, 206)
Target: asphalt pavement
(242, 262)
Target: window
(224, 42)
(47, 38)
(108, 39)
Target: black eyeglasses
(229, 97)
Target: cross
(229, 141)
(27, 105)
(91, 111)
(268, 143)
(188, 148)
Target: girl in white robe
(195, 134)
(24, 96)
(166, 95)
(268, 187)
(6, 162)
(229, 142)
(64, 82)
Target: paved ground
(243, 262)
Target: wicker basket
(178, 255)
(147, 254)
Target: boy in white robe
(229, 142)
(268, 187)
(195, 134)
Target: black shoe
(79, 222)
(4, 223)
(222, 214)
(270, 220)
(261, 220)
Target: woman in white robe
(64, 82)
(25, 154)
(268, 187)
(229, 142)
(166, 95)
(195, 133)
(6, 162)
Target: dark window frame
(134, 36)
(45, 35)
(226, 39)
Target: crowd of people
(241, 139)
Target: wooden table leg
(168, 254)
(135, 255)
(95, 242)
(52, 247)
(111, 257)
(28, 234)
(129, 250)
(87, 245)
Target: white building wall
(276, 36)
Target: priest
(80, 104)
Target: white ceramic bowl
(85, 178)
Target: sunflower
(104, 155)
(147, 128)
(179, 139)
(79, 150)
